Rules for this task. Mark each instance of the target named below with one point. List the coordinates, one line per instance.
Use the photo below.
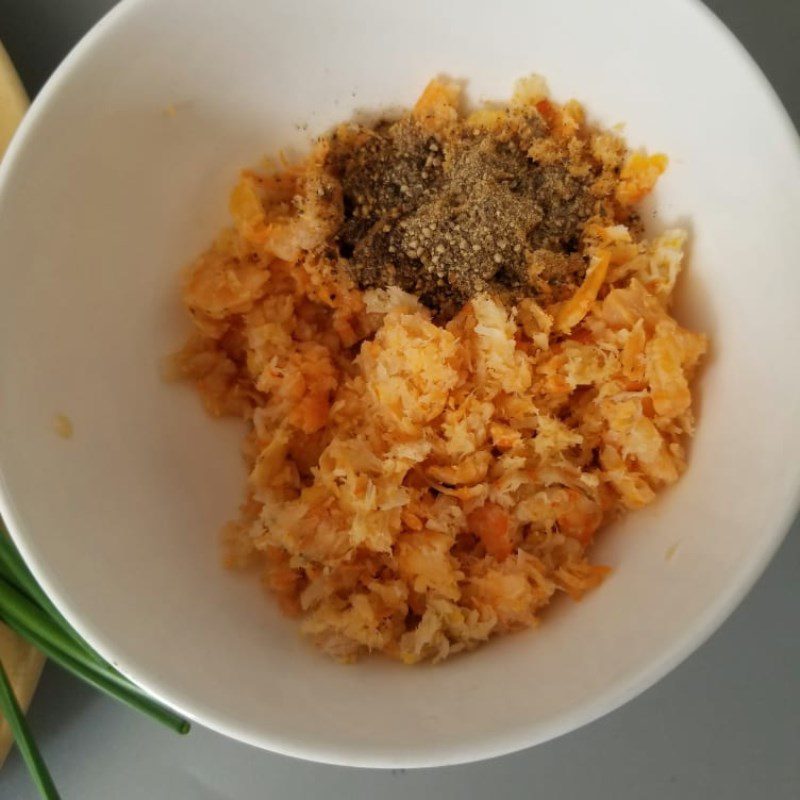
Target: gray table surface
(725, 723)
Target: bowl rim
(622, 691)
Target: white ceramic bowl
(120, 174)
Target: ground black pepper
(448, 215)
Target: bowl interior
(120, 176)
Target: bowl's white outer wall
(119, 175)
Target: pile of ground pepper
(449, 211)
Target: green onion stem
(13, 565)
(22, 736)
(11, 579)
(15, 607)
(34, 625)
(7, 575)
(27, 609)
(105, 682)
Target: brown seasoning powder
(447, 215)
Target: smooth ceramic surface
(120, 174)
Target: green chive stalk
(104, 681)
(24, 741)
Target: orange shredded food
(415, 486)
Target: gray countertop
(726, 723)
